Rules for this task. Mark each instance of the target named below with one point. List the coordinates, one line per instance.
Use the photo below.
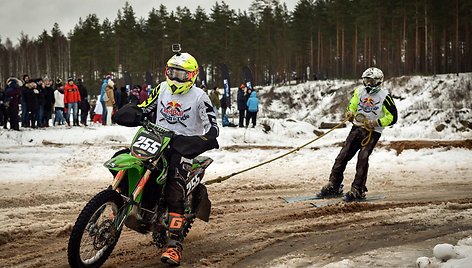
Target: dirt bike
(135, 201)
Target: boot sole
(169, 261)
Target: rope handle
(361, 118)
(221, 179)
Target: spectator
(12, 101)
(104, 97)
(143, 93)
(98, 111)
(72, 100)
(3, 109)
(59, 104)
(84, 103)
(134, 94)
(215, 100)
(242, 105)
(124, 97)
(224, 106)
(41, 103)
(109, 90)
(49, 106)
(24, 106)
(252, 109)
(32, 95)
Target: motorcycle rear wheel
(94, 234)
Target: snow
(43, 153)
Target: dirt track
(251, 226)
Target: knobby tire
(73, 249)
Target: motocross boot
(354, 195)
(173, 254)
(330, 190)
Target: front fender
(125, 161)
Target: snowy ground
(75, 155)
(47, 175)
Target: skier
(185, 109)
(370, 109)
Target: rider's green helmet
(181, 72)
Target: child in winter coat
(252, 108)
(98, 111)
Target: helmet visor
(368, 81)
(179, 75)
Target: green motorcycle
(134, 201)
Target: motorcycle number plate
(145, 145)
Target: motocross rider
(185, 109)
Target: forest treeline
(318, 39)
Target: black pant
(83, 117)
(350, 148)
(179, 168)
(242, 115)
(32, 118)
(13, 117)
(249, 116)
(3, 115)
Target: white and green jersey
(374, 106)
(188, 114)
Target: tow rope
(361, 118)
(221, 179)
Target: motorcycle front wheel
(95, 234)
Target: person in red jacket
(71, 100)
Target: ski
(306, 198)
(338, 201)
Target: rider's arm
(390, 112)
(353, 102)
(208, 116)
(151, 102)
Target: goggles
(368, 81)
(179, 75)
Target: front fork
(117, 180)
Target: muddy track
(255, 230)
(250, 225)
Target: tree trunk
(354, 54)
(342, 50)
(426, 37)
(456, 47)
(417, 47)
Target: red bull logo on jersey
(368, 104)
(174, 113)
(173, 108)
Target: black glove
(129, 115)
(192, 146)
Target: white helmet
(372, 79)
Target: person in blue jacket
(102, 100)
(252, 108)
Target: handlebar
(156, 129)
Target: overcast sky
(32, 16)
